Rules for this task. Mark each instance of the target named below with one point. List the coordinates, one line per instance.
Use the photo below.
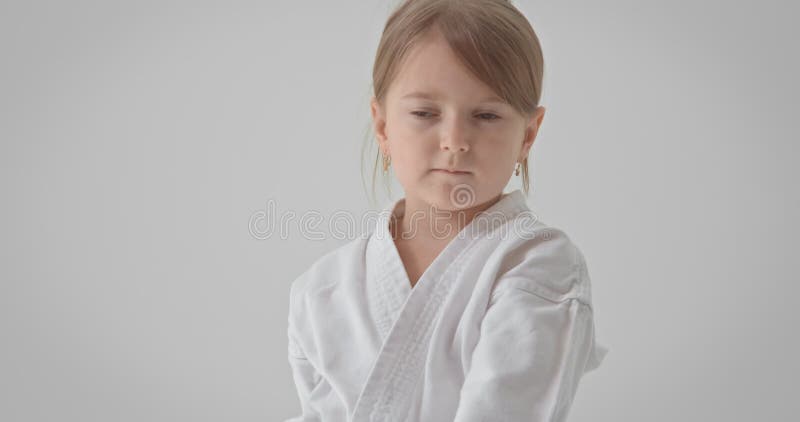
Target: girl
(459, 305)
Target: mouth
(452, 171)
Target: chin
(454, 197)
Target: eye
(489, 116)
(484, 116)
(420, 114)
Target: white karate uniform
(498, 328)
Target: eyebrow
(428, 96)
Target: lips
(452, 171)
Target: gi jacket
(498, 328)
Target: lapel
(404, 315)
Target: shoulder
(544, 272)
(341, 263)
(545, 261)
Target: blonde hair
(492, 38)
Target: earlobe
(380, 130)
(378, 122)
(530, 137)
(380, 135)
(532, 130)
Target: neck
(422, 220)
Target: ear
(379, 124)
(531, 130)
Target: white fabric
(498, 328)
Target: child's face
(454, 129)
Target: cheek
(410, 147)
(497, 153)
(410, 158)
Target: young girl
(459, 305)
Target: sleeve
(305, 376)
(530, 356)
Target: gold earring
(516, 170)
(387, 160)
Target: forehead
(431, 70)
(436, 95)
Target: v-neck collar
(385, 264)
(403, 315)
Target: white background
(138, 138)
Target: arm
(306, 379)
(305, 376)
(529, 359)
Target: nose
(454, 137)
